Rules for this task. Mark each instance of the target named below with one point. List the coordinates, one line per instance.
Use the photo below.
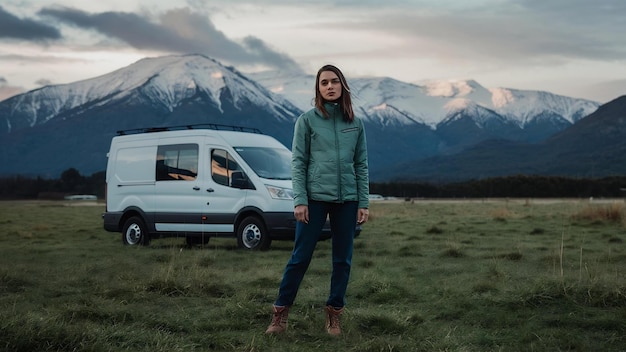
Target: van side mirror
(239, 180)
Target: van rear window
(177, 162)
(134, 164)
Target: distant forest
(518, 186)
(72, 182)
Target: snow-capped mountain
(434, 101)
(458, 113)
(592, 148)
(48, 130)
(439, 117)
(51, 129)
(165, 82)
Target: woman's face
(329, 86)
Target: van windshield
(270, 163)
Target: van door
(227, 186)
(130, 179)
(180, 198)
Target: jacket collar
(332, 108)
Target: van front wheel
(135, 232)
(252, 235)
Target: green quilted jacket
(329, 161)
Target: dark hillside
(592, 148)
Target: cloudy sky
(570, 47)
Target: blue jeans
(342, 223)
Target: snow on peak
(451, 88)
(431, 102)
(524, 105)
(382, 106)
(455, 105)
(501, 97)
(166, 81)
(463, 107)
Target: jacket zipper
(338, 162)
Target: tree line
(72, 182)
(517, 186)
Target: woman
(330, 178)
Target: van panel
(130, 177)
(207, 228)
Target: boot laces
(333, 321)
(279, 318)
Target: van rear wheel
(252, 235)
(135, 232)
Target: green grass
(500, 275)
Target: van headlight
(279, 192)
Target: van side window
(223, 166)
(177, 162)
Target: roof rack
(206, 126)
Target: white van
(197, 182)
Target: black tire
(252, 235)
(135, 232)
(197, 240)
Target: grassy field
(497, 275)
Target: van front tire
(252, 235)
(135, 232)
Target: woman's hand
(363, 216)
(301, 212)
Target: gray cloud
(14, 27)
(43, 82)
(179, 31)
(584, 13)
(39, 59)
(527, 31)
(605, 91)
(7, 91)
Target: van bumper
(281, 226)
(112, 221)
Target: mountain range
(414, 131)
(594, 147)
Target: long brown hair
(345, 102)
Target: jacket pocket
(324, 182)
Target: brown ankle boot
(279, 320)
(332, 320)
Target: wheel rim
(133, 234)
(251, 236)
